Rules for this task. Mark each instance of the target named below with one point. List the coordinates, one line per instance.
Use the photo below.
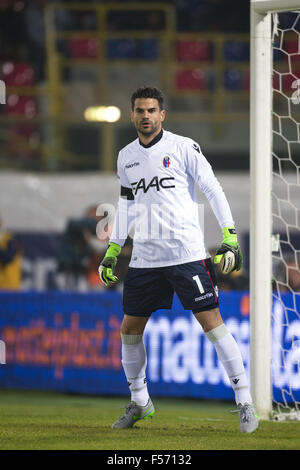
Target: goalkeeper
(158, 173)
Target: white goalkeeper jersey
(158, 192)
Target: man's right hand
(108, 264)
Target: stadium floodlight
(264, 24)
(102, 113)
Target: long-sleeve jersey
(158, 192)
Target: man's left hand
(229, 244)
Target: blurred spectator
(83, 248)
(75, 252)
(288, 276)
(35, 29)
(10, 260)
(236, 280)
(98, 243)
(13, 36)
(293, 276)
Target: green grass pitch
(32, 420)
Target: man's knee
(132, 325)
(209, 319)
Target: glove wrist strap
(113, 250)
(230, 236)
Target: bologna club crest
(166, 162)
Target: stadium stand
(195, 53)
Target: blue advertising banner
(70, 342)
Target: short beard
(149, 132)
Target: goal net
(286, 215)
(275, 171)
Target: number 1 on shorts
(199, 284)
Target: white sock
(229, 355)
(134, 363)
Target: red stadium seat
(191, 79)
(246, 80)
(17, 74)
(276, 81)
(25, 142)
(21, 105)
(291, 47)
(83, 48)
(193, 50)
(288, 81)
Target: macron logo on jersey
(156, 183)
(131, 165)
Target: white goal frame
(260, 198)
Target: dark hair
(148, 92)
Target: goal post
(261, 65)
(260, 213)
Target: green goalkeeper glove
(108, 264)
(229, 245)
